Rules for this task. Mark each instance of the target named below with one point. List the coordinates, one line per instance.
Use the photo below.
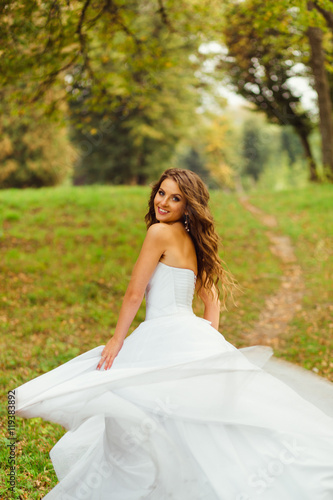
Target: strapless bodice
(170, 291)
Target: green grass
(307, 217)
(66, 259)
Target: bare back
(180, 251)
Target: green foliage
(254, 150)
(33, 151)
(136, 141)
(212, 151)
(134, 75)
(193, 160)
(281, 175)
(263, 51)
(117, 49)
(291, 144)
(124, 67)
(271, 42)
(271, 156)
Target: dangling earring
(186, 223)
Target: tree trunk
(317, 62)
(308, 154)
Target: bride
(174, 411)
(173, 243)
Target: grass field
(66, 259)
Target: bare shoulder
(159, 230)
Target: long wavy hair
(211, 269)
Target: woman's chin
(161, 218)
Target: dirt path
(281, 307)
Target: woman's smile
(162, 211)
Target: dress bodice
(170, 291)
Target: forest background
(114, 92)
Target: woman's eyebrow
(177, 194)
(174, 194)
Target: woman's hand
(109, 353)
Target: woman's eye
(176, 198)
(161, 193)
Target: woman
(174, 411)
(170, 242)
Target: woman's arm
(212, 306)
(153, 248)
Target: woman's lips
(162, 211)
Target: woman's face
(169, 202)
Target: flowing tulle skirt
(182, 414)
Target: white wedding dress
(182, 414)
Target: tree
(321, 83)
(118, 47)
(217, 138)
(34, 152)
(253, 151)
(259, 68)
(124, 67)
(134, 141)
(127, 146)
(306, 26)
(193, 160)
(326, 10)
(291, 144)
(315, 20)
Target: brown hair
(202, 230)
